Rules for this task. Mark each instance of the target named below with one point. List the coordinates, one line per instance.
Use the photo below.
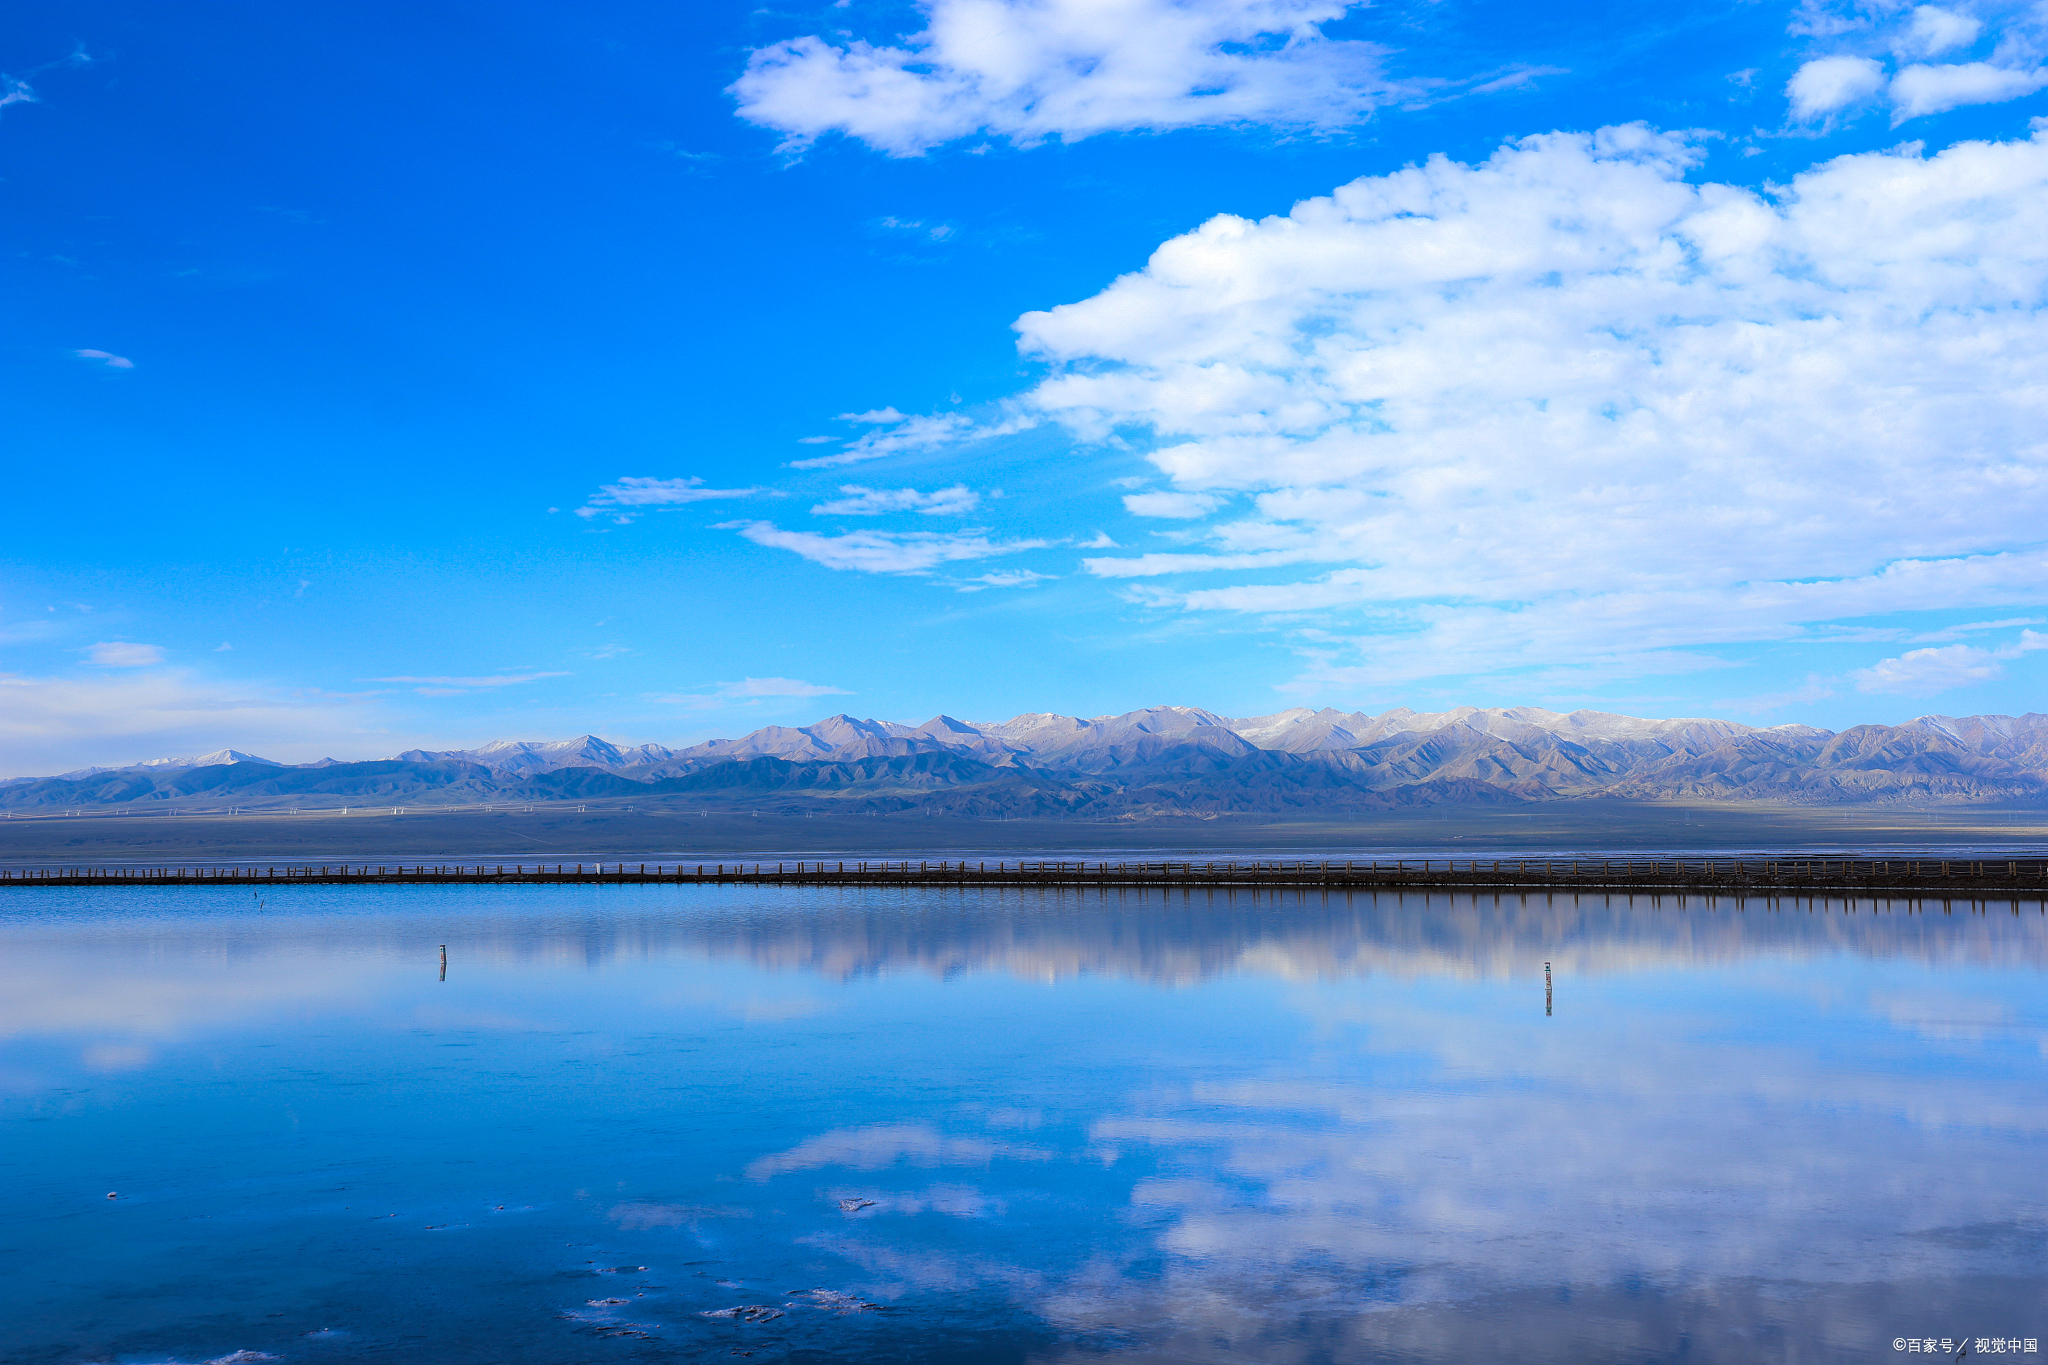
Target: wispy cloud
(1159, 562)
(894, 433)
(455, 687)
(623, 501)
(1816, 688)
(1947, 633)
(914, 227)
(50, 725)
(747, 692)
(1177, 506)
(16, 89)
(1013, 578)
(882, 1145)
(867, 502)
(897, 552)
(122, 654)
(106, 358)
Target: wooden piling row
(1899, 873)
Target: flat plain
(610, 832)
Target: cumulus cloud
(747, 692)
(123, 654)
(1857, 39)
(902, 552)
(1028, 70)
(1564, 406)
(623, 501)
(1937, 670)
(1930, 670)
(867, 502)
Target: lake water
(999, 1126)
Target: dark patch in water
(745, 1312)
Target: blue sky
(380, 376)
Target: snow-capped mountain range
(1103, 743)
(1166, 758)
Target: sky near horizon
(384, 376)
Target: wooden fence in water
(1904, 874)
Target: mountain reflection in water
(1018, 1125)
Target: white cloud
(1930, 670)
(1937, 670)
(748, 692)
(1970, 627)
(1921, 90)
(1933, 30)
(631, 492)
(882, 551)
(106, 358)
(1826, 84)
(1564, 406)
(1855, 34)
(1032, 69)
(455, 687)
(122, 654)
(867, 502)
(897, 433)
(1178, 506)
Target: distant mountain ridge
(1164, 760)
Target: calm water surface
(1013, 1126)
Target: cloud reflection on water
(1774, 1130)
